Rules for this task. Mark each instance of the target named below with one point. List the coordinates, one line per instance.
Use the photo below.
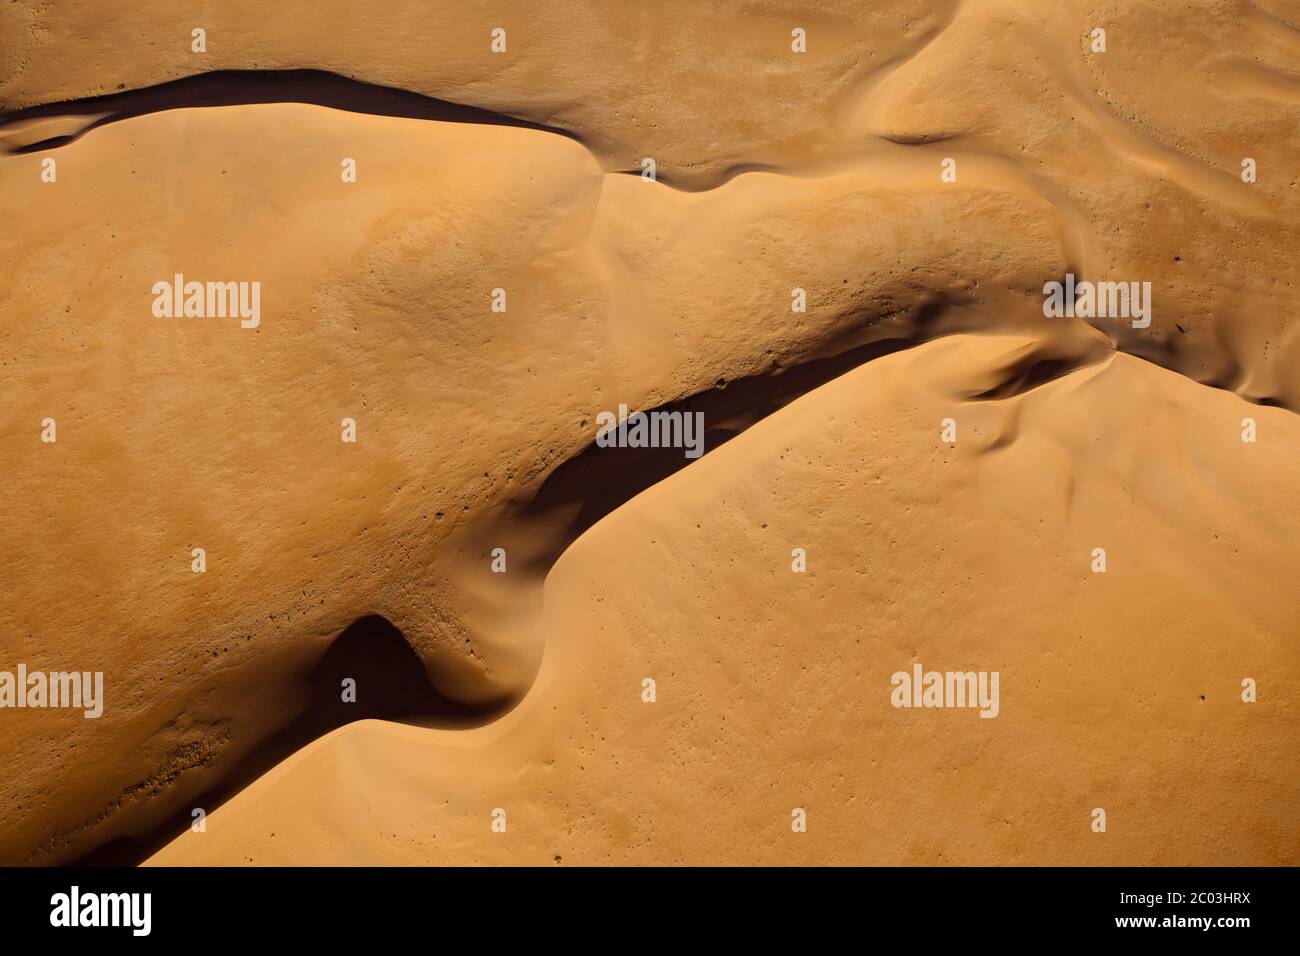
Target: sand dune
(771, 685)
(515, 180)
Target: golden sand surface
(565, 653)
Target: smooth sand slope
(1119, 691)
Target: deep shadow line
(249, 87)
(390, 685)
(314, 88)
(721, 178)
(597, 481)
(1031, 374)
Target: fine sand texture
(367, 586)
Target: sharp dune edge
(521, 171)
